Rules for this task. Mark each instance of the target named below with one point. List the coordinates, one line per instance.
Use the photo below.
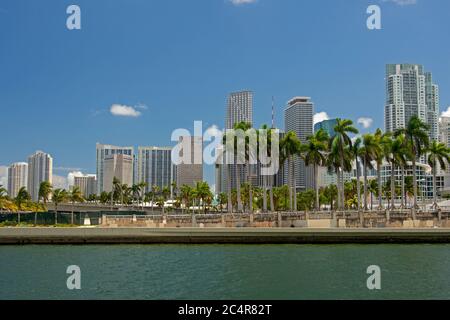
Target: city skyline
(76, 112)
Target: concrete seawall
(218, 236)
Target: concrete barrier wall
(271, 221)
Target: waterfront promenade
(219, 236)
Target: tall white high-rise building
(155, 167)
(118, 166)
(410, 92)
(298, 117)
(17, 178)
(103, 151)
(239, 109)
(40, 169)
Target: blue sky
(175, 61)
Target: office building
(17, 178)
(155, 167)
(119, 166)
(40, 169)
(410, 91)
(103, 151)
(327, 125)
(298, 117)
(239, 109)
(191, 172)
(86, 183)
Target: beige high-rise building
(190, 174)
(40, 169)
(118, 166)
(103, 151)
(87, 184)
(17, 178)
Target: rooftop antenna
(273, 113)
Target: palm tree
(416, 134)
(45, 190)
(136, 192)
(340, 142)
(265, 128)
(22, 197)
(289, 147)
(399, 157)
(165, 193)
(313, 151)
(59, 196)
(154, 192)
(104, 197)
(384, 142)
(125, 194)
(116, 190)
(355, 151)
(3, 192)
(373, 189)
(186, 195)
(75, 196)
(437, 153)
(223, 200)
(368, 153)
(330, 192)
(244, 126)
(202, 192)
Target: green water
(225, 272)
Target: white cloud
(241, 2)
(365, 122)
(446, 113)
(402, 2)
(321, 116)
(124, 111)
(67, 169)
(60, 182)
(4, 176)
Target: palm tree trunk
(272, 207)
(71, 216)
(343, 189)
(414, 184)
(338, 186)
(229, 200)
(435, 205)
(403, 188)
(238, 189)
(392, 185)
(358, 184)
(250, 191)
(264, 193)
(294, 185)
(316, 186)
(380, 187)
(366, 207)
(290, 182)
(371, 201)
